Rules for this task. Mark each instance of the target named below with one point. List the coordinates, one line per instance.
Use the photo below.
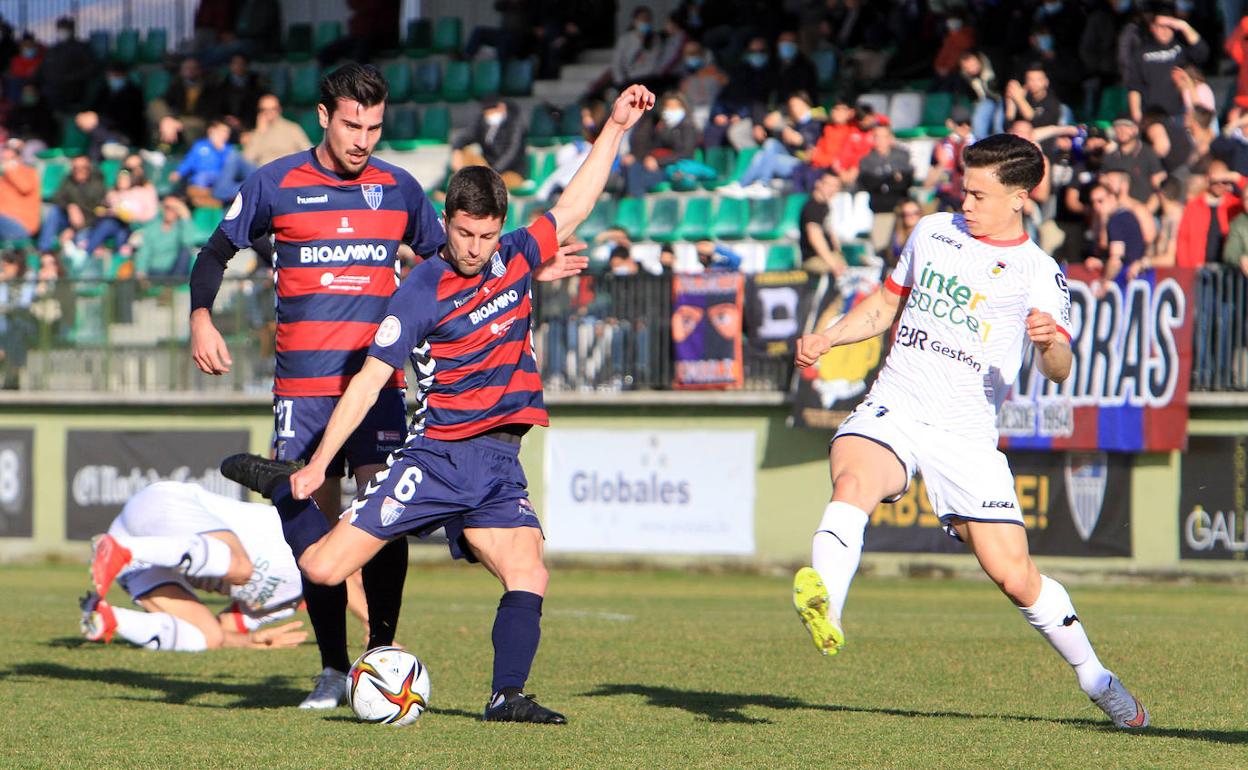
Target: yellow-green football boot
(810, 598)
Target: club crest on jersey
(372, 195)
(497, 268)
(391, 510)
(997, 269)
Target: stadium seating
(1113, 103)
(457, 81)
(204, 221)
(599, 219)
(905, 111)
(435, 125)
(326, 32)
(419, 42)
(310, 122)
(517, 78)
(876, 101)
(427, 82)
(730, 220)
(305, 84)
(570, 122)
(108, 169)
(155, 43)
(447, 34)
(487, 77)
(299, 42)
(542, 127)
(401, 127)
(126, 48)
(695, 223)
(51, 176)
(664, 219)
(936, 107)
(155, 82)
(782, 256)
(765, 218)
(630, 216)
(825, 68)
(101, 44)
(399, 75)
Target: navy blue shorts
(472, 484)
(299, 423)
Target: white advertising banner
(650, 491)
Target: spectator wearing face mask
(637, 51)
(657, 142)
(23, 67)
(750, 90)
(68, 68)
(498, 137)
(120, 105)
(795, 72)
(702, 82)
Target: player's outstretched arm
(869, 318)
(1054, 350)
(359, 397)
(276, 637)
(582, 192)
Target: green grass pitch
(665, 670)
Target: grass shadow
(727, 706)
(434, 711)
(69, 642)
(270, 692)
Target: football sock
(159, 631)
(1054, 617)
(836, 550)
(194, 555)
(327, 609)
(383, 589)
(517, 630)
(302, 521)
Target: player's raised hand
(630, 105)
(208, 347)
(564, 264)
(285, 635)
(306, 480)
(810, 347)
(1041, 328)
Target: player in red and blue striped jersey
(338, 218)
(464, 320)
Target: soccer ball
(389, 686)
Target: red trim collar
(1019, 241)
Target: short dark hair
(478, 191)
(1015, 161)
(362, 83)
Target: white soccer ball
(389, 686)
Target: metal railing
(600, 333)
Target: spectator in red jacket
(1207, 218)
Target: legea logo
(949, 300)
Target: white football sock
(159, 631)
(836, 550)
(194, 555)
(1054, 617)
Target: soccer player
(339, 218)
(971, 292)
(173, 538)
(464, 319)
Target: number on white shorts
(285, 409)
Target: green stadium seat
(326, 32)
(731, 219)
(1113, 103)
(203, 222)
(399, 75)
(427, 82)
(401, 127)
(487, 77)
(790, 221)
(310, 121)
(723, 160)
(782, 256)
(512, 222)
(542, 127)
(155, 82)
(50, 178)
(765, 218)
(435, 125)
(744, 156)
(155, 44)
(936, 107)
(531, 211)
(518, 78)
(825, 68)
(101, 44)
(419, 43)
(109, 168)
(73, 141)
(447, 34)
(126, 49)
(299, 42)
(457, 81)
(599, 219)
(570, 122)
(630, 216)
(664, 219)
(695, 223)
(305, 84)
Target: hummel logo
(1070, 620)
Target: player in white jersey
(970, 292)
(173, 538)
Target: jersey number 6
(407, 484)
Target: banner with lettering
(776, 306)
(1127, 389)
(824, 393)
(105, 468)
(1213, 498)
(1072, 504)
(706, 330)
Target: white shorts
(152, 512)
(965, 479)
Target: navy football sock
(302, 521)
(327, 609)
(517, 630)
(383, 589)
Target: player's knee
(527, 576)
(321, 572)
(847, 486)
(1015, 583)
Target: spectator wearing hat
(495, 140)
(1137, 159)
